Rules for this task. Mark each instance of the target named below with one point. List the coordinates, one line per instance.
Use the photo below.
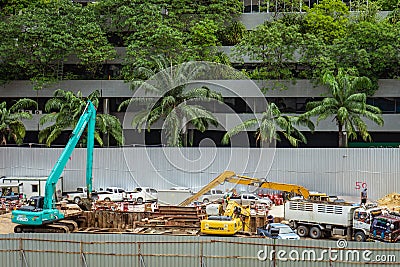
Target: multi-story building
(244, 102)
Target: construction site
(228, 218)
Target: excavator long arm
(292, 188)
(217, 181)
(231, 177)
(39, 215)
(88, 118)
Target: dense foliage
(38, 36)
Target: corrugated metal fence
(335, 171)
(152, 250)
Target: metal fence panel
(334, 171)
(205, 251)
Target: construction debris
(391, 201)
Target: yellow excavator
(235, 218)
(231, 177)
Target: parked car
(75, 196)
(110, 194)
(11, 197)
(283, 231)
(212, 195)
(141, 195)
(251, 199)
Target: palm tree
(66, 109)
(176, 105)
(347, 105)
(271, 125)
(11, 125)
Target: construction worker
(270, 218)
(364, 197)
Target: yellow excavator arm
(231, 177)
(217, 181)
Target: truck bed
(319, 212)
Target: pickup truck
(110, 194)
(251, 199)
(212, 195)
(75, 196)
(141, 195)
(11, 197)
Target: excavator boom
(231, 177)
(41, 210)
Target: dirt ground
(6, 226)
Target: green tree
(36, 41)
(176, 105)
(328, 19)
(274, 44)
(272, 125)
(347, 106)
(232, 34)
(64, 111)
(12, 7)
(188, 31)
(11, 125)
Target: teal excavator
(41, 214)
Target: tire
(77, 200)
(206, 200)
(18, 229)
(139, 200)
(359, 236)
(315, 232)
(302, 231)
(107, 199)
(327, 234)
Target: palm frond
(23, 103)
(246, 125)
(54, 134)
(140, 119)
(98, 138)
(50, 117)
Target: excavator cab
(35, 203)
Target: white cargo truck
(29, 186)
(324, 219)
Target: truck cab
(362, 219)
(386, 228)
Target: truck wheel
(139, 200)
(77, 200)
(302, 231)
(327, 234)
(205, 200)
(107, 199)
(315, 232)
(359, 236)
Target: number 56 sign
(360, 185)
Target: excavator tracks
(62, 226)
